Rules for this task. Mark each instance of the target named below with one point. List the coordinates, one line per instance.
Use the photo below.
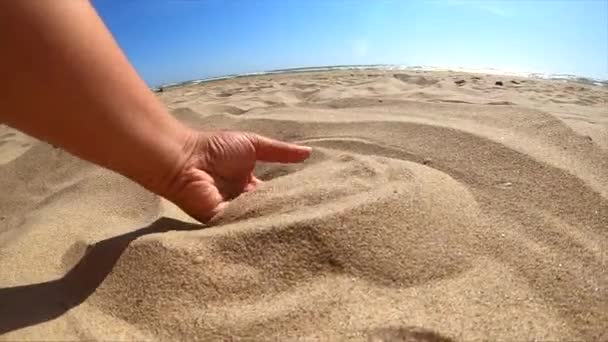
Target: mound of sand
(429, 211)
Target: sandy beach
(437, 206)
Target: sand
(429, 211)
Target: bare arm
(66, 81)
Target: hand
(219, 167)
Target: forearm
(67, 82)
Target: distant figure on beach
(67, 82)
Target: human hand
(219, 166)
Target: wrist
(169, 150)
(182, 150)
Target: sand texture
(430, 211)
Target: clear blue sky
(177, 40)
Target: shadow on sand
(22, 306)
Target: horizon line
(395, 67)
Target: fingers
(255, 180)
(215, 214)
(220, 207)
(253, 184)
(270, 150)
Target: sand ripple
(429, 211)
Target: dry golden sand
(428, 212)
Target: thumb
(270, 150)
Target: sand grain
(429, 211)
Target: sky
(178, 40)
